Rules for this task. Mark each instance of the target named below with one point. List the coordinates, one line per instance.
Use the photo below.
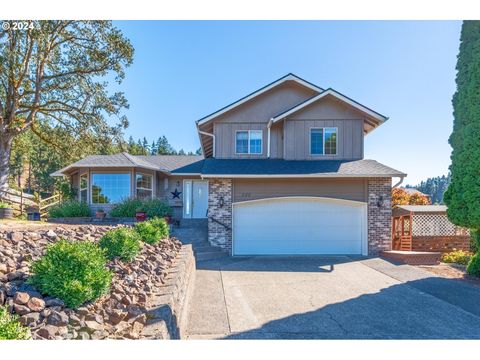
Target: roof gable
(337, 95)
(288, 77)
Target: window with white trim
(83, 188)
(144, 185)
(323, 141)
(110, 188)
(249, 142)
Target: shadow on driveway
(396, 312)
(335, 297)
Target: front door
(196, 199)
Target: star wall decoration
(176, 194)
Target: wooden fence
(22, 202)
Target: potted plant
(100, 213)
(6, 212)
(140, 214)
(168, 218)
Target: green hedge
(153, 231)
(68, 209)
(473, 267)
(10, 327)
(75, 272)
(122, 242)
(153, 208)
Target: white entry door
(195, 199)
(286, 226)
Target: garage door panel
(298, 226)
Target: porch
(426, 228)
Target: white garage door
(299, 225)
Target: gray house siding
(255, 115)
(253, 189)
(328, 112)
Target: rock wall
(147, 299)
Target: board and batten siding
(253, 189)
(349, 139)
(255, 115)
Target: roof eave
(375, 115)
(288, 77)
(304, 175)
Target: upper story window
(249, 142)
(144, 186)
(110, 188)
(84, 188)
(323, 141)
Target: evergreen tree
(463, 194)
(153, 148)
(199, 151)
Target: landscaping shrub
(458, 256)
(72, 271)
(152, 207)
(10, 327)
(474, 240)
(153, 230)
(473, 267)
(70, 208)
(122, 242)
(4, 205)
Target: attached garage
(299, 226)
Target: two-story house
(283, 172)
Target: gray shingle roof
(184, 164)
(323, 168)
(170, 162)
(164, 163)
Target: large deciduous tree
(463, 193)
(53, 75)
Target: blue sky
(405, 70)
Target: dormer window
(249, 142)
(323, 141)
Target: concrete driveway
(328, 298)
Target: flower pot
(140, 216)
(168, 219)
(6, 213)
(100, 214)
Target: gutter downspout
(398, 183)
(269, 125)
(213, 137)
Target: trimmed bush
(153, 208)
(152, 231)
(122, 242)
(68, 209)
(75, 272)
(10, 327)
(473, 267)
(458, 257)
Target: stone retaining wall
(168, 313)
(148, 297)
(92, 220)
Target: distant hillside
(435, 187)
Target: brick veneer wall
(379, 218)
(219, 235)
(441, 243)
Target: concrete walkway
(328, 298)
